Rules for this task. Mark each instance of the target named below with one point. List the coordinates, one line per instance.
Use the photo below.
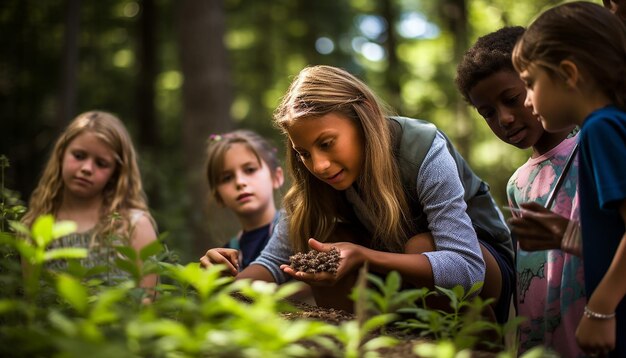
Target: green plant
(73, 313)
(11, 207)
(462, 324)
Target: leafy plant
(197, 313)
(462, 324)
(11, 207)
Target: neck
(257, 220)
(591, 101)
(548, 141)
(84, 211)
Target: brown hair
(585, 33)
(314, 207)
(219, 144)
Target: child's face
(331, 147)
(549, 98)
(245, 186)
(88, 164)
(499, 99)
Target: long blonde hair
(122, 193)
(314, 207)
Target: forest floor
(332, 316)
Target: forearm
(415, 269)
(256, 272)
(612, 288)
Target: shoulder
(609, 120)
(143, 230)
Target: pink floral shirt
(550, 283)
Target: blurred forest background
(177, 71)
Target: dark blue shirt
(602, 180)
(250, 244)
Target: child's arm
(222, 256)
(143, 234)
(537, 228)
(597, 335)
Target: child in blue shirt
(243, 173)
(573, 61)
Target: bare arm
(144, 234)
(598, 335)
(256, 272)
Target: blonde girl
(92, 178)
(573, 61)
(243, 173)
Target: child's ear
(278, 178)
(571, 73)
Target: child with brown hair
(572, 59)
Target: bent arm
(412, 265)
(458, 259)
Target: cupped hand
(538, 228)
(350, 259)
(224, 256)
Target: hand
(350, 259)
(596, 336)
(538, 228)
(224, 256)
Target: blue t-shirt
(250, 244)
(602, 180)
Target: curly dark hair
(491, 53)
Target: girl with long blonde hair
(92, 178)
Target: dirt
(334, 316)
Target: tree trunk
(148, 135)
(207, 99)
(395, 66)
(69, 66)
(455, 15)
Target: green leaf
(128, 266)
(63, 228)
(152, 249)
(42, 230)
(66, 253)
(73, 292)
(8, 305)
(103, 310)
(127, 251)
(20, 228)
(393, 282)
(27, 251)
(377, 281)
(378, 321)
(380, 342)
(476, 287)
(63, 324)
